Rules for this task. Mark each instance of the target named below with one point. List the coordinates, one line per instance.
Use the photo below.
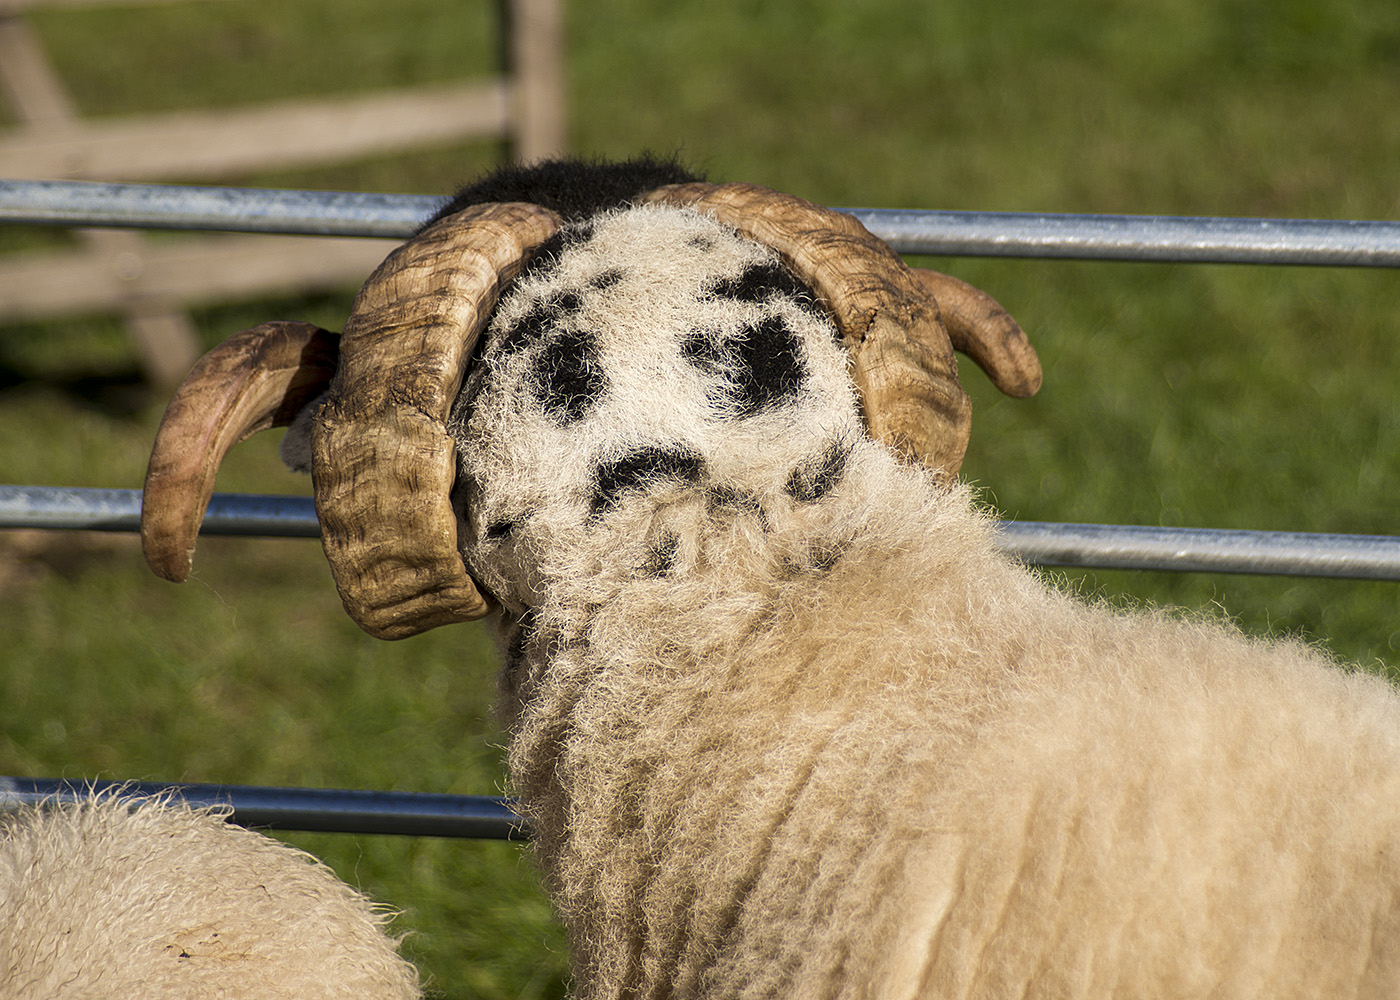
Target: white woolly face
(653, 373)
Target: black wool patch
(723, 496)
(640, 470)
(704, 350)
(542, 316)
(758, 282)
(762, 366)
(538, 320)
(812, 480)
(768, 366)
(568, 376)
(605, 279)
(575, 188)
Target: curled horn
(384, 464)
(256, 379)
(888, 315)
(979, 327)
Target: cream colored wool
(115, 899)
(789, 742)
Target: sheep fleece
(115, 899)
(787, 724)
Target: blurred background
(1209, 396)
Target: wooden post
(537, 74)
(165, 339)
(115, 270)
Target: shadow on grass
(121, 393)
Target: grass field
(1210, 396)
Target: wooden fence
(151, 285)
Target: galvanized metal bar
(248, 210)
(1185, 239)
(996, 234)
(1098, 546)
(329, 810)
(77, 508)
(1208, 550)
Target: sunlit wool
(149, 899)
(786, 723)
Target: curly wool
(785, 723)
(114, 898)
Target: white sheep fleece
(129, 898)
(828, 742)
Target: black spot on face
(814, 479)
(542, 316)
(606, 279)
(761, 367)
(568, 376)
(527, 329)
(768, 368)
(760, 281)
(640, 470)
(704, 350)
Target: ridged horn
(902, 356)
(979, 327)
(256, 379)
(383, 464)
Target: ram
(782, 718)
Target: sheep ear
(256, 379)
(979, 327)
(295, 449)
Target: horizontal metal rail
(78, 508)
(984, 234)
(1203, 550)
(246, 210)
(328, 810)
(1097, 546)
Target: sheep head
(383, 460)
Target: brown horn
(384, 464)
(256, 379)
(979, 327)
(903, 361)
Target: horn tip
(1028, 386)
(169, 562)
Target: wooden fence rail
(151, 286)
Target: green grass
(1205, 396)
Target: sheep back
(150, 899)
